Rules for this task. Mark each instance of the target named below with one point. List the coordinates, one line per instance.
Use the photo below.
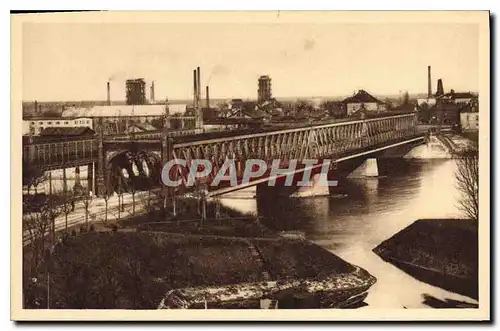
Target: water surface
(368, 212)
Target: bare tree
(467, 178)
(120, 192)
(32, 176)
(35, 227)
(108, 191)
(147, 201)
(51, 209)
(67, 207)
(133, 191)
(87, 202)
(106, 197)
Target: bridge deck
(348, 134)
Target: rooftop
(67, 131)
(123, 110)
(457, 95)
(362, 97)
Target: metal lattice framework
(318, 141)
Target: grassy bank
(441, 252)
(134, 270)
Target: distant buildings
(469, 121)
(445, 113)
(67, 132)
(456, 109)
(264, 91)
(35, 126)
(124, 110)
(363, 101)
(461, 98)
(469, 116)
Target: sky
(63, 62)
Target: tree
(424, 112)
(32, 176)
(467, 178)
(148, 205)
(335, 109)
(106, 197)
(51, 209)
(133, 191)
(303, 106)
(67, 206)
(87, 202)
(35, 227)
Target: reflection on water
(369, 212)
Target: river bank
(369, 212)
(136, 263)
(441, 252)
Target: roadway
(97, 211)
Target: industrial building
(124, 110)
(264, 91)
(469, 120)
(135, 91)
(460, 98)
(37, 125)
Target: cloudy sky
(74, 61)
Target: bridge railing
(150, 135)
(324, 140)
(317, 142)
(66, 152)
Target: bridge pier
(65, 181)
(369, 168)
(78, 186)
(318, 186)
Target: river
(369, 212)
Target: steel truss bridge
(335, 141)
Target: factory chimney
(429, 83)
(440, 89)
(152, 92)
(207, 97)
(108, 96)
(198, 84)
(195, 89)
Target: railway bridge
(124, 159)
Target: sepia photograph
(215, 165)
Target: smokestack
(198, 82)
(429, 83)
(108, 99)
(440, 89)
(152, 93)
(207, 97)
(195, 91)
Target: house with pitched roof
(363, 101)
